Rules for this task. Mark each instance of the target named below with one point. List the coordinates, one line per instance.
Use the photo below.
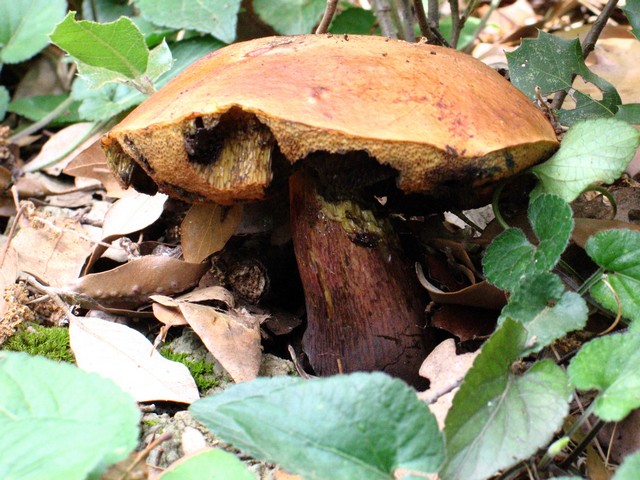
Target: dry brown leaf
(206, 229)
(130, 285)
(219, 294)
(445, 371)
(58, 145)
(133, 214)
(233, 338)
(125, 356)
(8, 273)
(505, 21)
(586, 227)
(54, 249)
(466, 323)
(92, 163)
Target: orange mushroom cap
(438, 116)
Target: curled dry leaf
(125, 356)
(445, 371)
(233, 338)
(130, 285)
(207, 228)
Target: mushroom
(345, 115)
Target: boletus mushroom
(342, 114)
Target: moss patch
(201, 371)
(50, 342)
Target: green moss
(201, 371)
(50, 342)
(150, 423)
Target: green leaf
(466, 35)
(25, 26)
(105, 11)
(631, 464)
(208, 16)
(530, 67)
(4, 101)
(632, 10)
(58, 422)
(511, 257)
(117, 46)
(160, 61)
(112, 99)
(357, 21)
(591, 151)
(362, 425)
(547, 311)
(610, 365)
(499, 418)
(290, 17)
(218, 465)
(37, 107)
(629, 112)
(618, 252)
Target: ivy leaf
(290, 17)
(208, 16)
(591, 151)
(117, 46)
(59, 422)
(361, 425)
(618, 252)
(511, 257)
(25, 26)
(610, 365)
(547, 311)
(530, 67)
(499, 418)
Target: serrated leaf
(209, 16)
(547, 311)
(25, 26)
(58, 422)
(37, 107)
(632, 11)
(290, 17)
(511, 257)
(591, 151)
(499, 418)
(361, 425)
(610, 365)
(117, 46)
(629, 468)
(529, 67)
(4, 101)
(618, 252)
(218, 465)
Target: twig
(329, 12)
(434, 12)
(382, 12)
(456, 22)
(427, 29)
(588, 45)
(404, 17)
(483, 22)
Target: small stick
(329, 12)
(427, 29)
(382, 11)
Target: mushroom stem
(364, 305)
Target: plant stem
(456, 22)
(588, 45)
(583, 444)
(483, 22)
(591, 281)
(329, 12)
(382, 11)
(427, 29)
(43, 122)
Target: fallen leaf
(233, 338)
(52, 248)
(445, 371)
(130, 285)
(587, 227)
(55, 153)
(132, 214)
(125, 356)
(206, 229)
